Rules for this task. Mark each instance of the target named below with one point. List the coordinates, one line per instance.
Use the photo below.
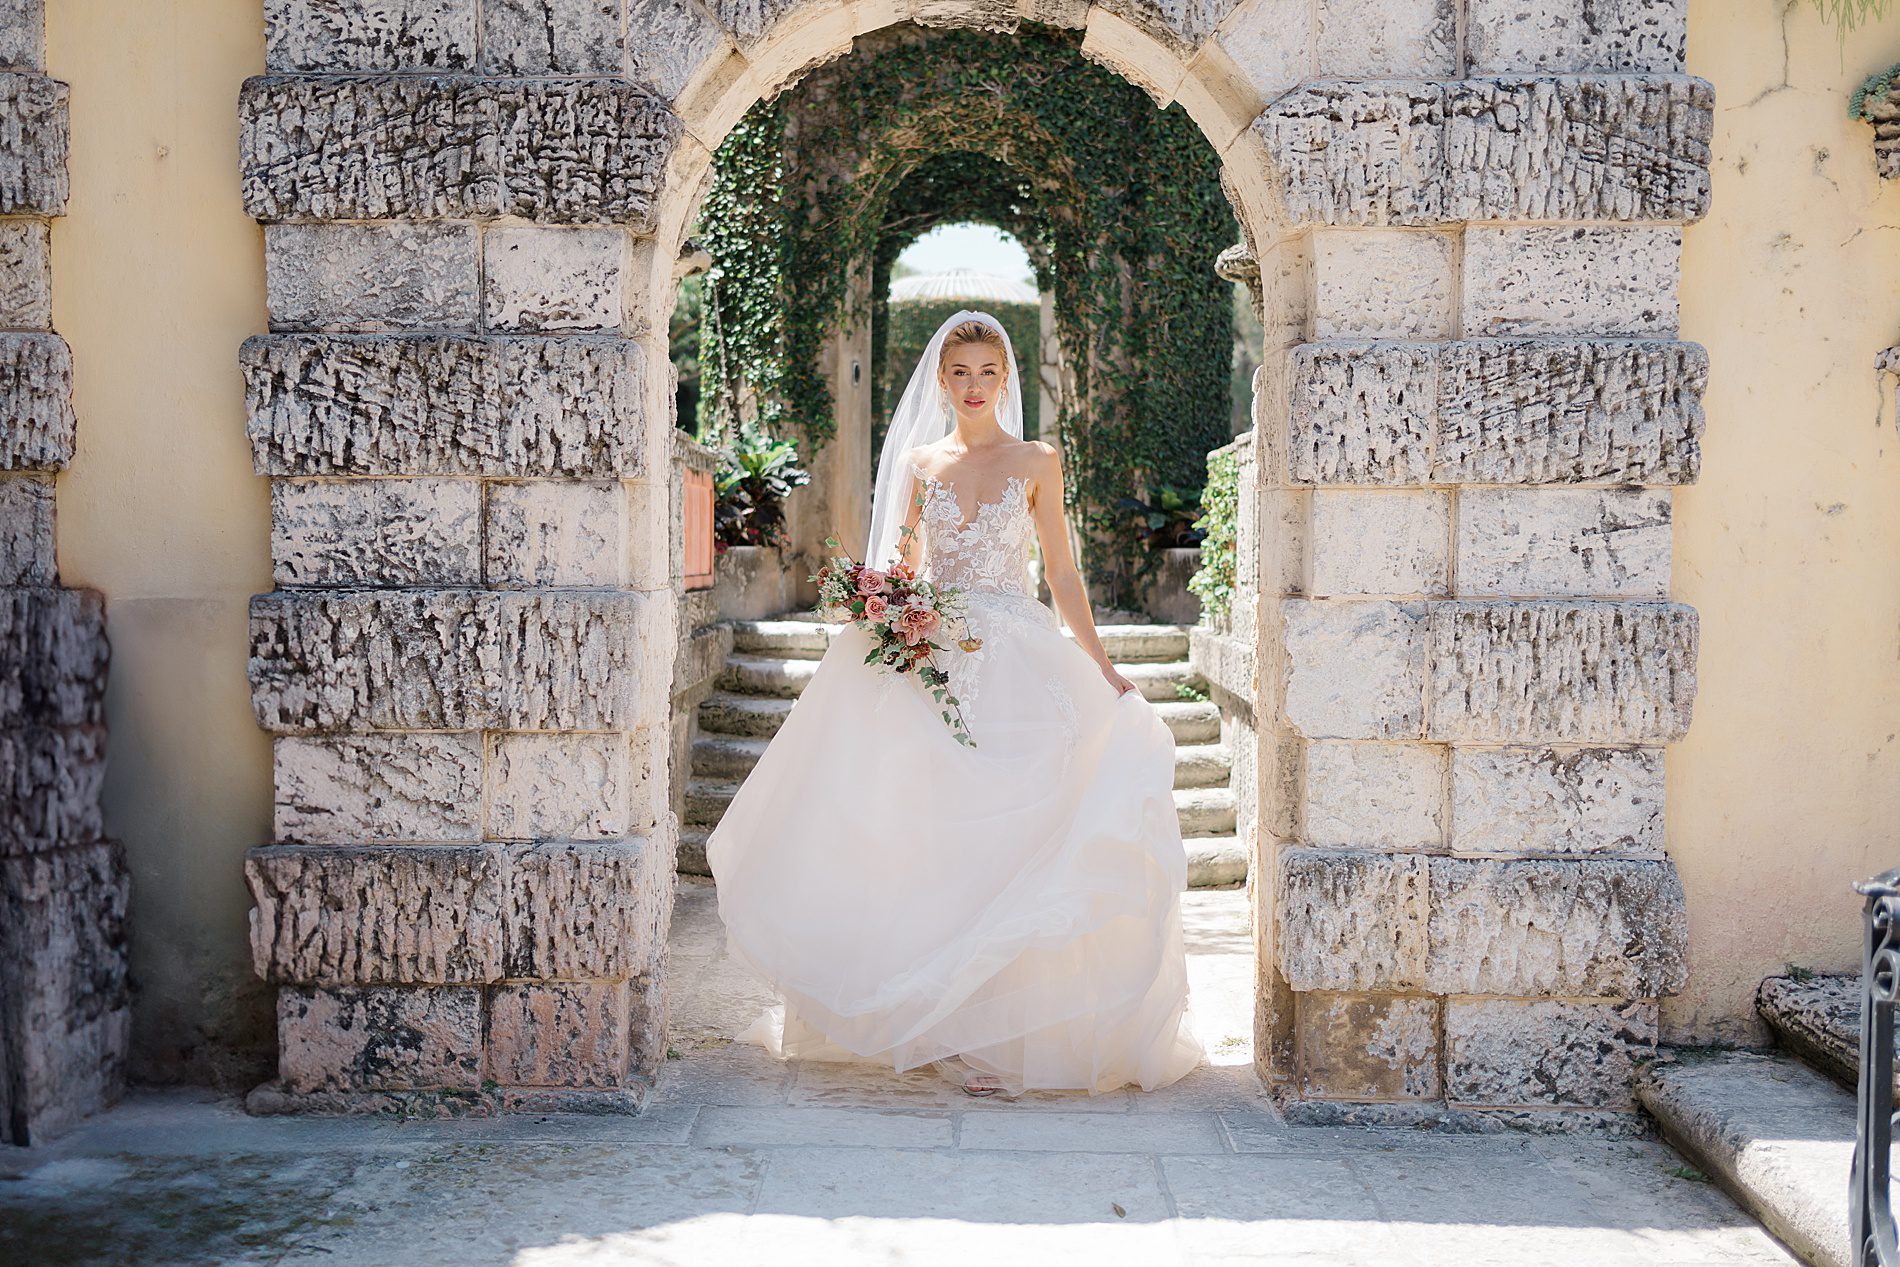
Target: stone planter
(751, 583)
(1169, 600)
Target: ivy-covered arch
(1119, 204)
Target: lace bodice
(990, 552)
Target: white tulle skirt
(1017, 903)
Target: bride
(1009, 912)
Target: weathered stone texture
(26, 275)
(1582, 927)
(1383, 283)
(1368, 1047)
(369, 35)
(667, 42)
(1580, 672)
(452, 659)
(561, 37)
(1509, 1052)
(26, 530)
(445, 405)
(1497, 411)
(1383, 38)
(396, 915)
(372, 276)
(1566, 279)
(1351, 920)
(376, 532)
(1576, 35)
(51, 778)
(1375, 795)
(23, 34)
(36, 402)
(1354, 669)
(52, 657)
(559, 1033)
(1577, 148)
(1183, 25)
(556, 532)
(357, 1038)
(750, 19)
(558, 787)
(33, 142)
(368, 789)
(1602, 543)
(540, 279)
(428, 147)
(1558, 801)
(1380, 541)
(583, 911)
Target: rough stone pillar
(837, 502)
(468, 657)
(65, 1007)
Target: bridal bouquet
(902, 614)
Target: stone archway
(1453, 668)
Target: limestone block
(1374, 39)
(1570, 280)
(547, 279)
(999, 16)
(455, 659)
(1351, 920)
(33, 141)
(1362, 413)
(51, 780)
(558, 787)
(53, 657)
(1426, 152)
(1512, 1052)
(561, 37)
(26, 530)
(1591, 927)
(369, 35)
(1555, 411)
(23, 34)
(667, 43)
(374, 789)
(445, 405)
(582, 911)
(1367, 1047)
(556, 532)
(1228, 663)
(26, 275)
(1375, 795)
(427, 147)
(750, 19)
(1604, 543)
(1561, 801)
(1578, 672)
(372, 276)
(1271, 41)
(379, 1038)
(1380, 541)
(647, 1021)
(36, 402)
(1577, 35)
(1180, 25)
(559, 1033)
(376, 531)
(1382, 283)
(1354, 669)
(376, 915)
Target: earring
(949, 410)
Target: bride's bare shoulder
(1040, 461)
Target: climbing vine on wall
(1213, 582)
(1119, 203)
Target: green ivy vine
(1213, 583)
(1118, 203)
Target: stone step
(1205, 811)
(1776, 1134)
(730, 713)
(748, 674)
(790, 638)
(733, 756)
(1818, 1019)
(1213, 862)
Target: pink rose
(915, 622)
(876, 607)
(871, 581)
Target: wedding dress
(1018, 902)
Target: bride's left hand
(1121, 684)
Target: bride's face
(973, 375)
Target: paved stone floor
(742, 1161)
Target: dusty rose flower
(872, 581)
(915, 622)
(876, 607)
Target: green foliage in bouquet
(756, 473)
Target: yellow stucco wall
(158, 276)
(1787, 789)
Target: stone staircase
(771, 661)
(1775, 1128)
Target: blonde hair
(967, 332)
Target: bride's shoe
(972, 1081)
